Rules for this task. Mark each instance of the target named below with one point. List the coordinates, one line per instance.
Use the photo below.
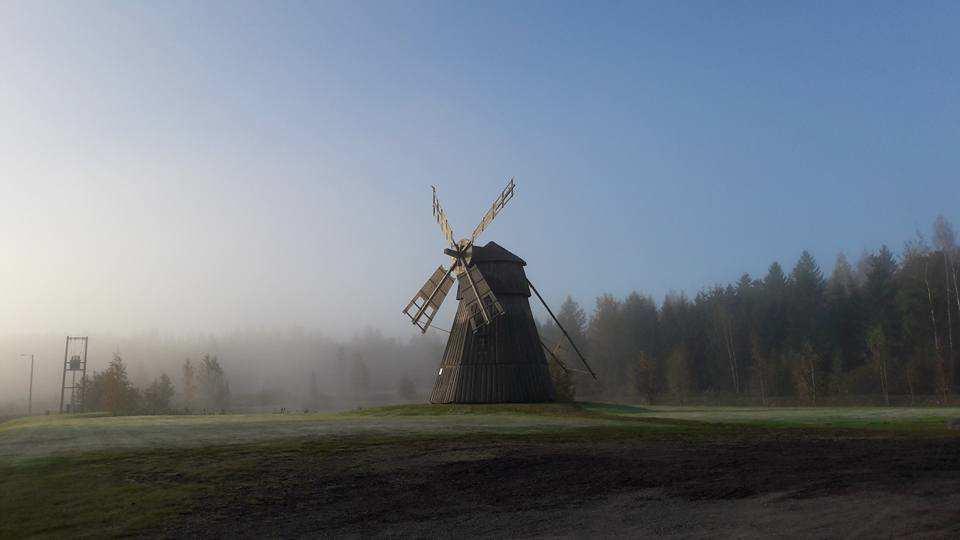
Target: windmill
(494, 353)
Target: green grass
(57, 435)
(136, 491)
(40, 436)
(869, 418)
(103, 475)
(91, 493)
(538, 409)
(113, 493)
(866, 418)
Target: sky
(190, 167)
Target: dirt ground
(827, 487)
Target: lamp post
(30, 395)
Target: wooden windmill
(494, 353)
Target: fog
(273, 278)
(266, 370)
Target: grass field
(933, 419)
(354, 472)
(38, 436)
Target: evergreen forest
(884, 329)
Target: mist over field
(266, 370)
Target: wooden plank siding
(504, 361)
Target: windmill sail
(425, 304)
(478, 298)
(442, 218)
(495, 209)
(494, 353)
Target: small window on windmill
(74, 363)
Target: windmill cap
(494, 252)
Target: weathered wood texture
(503, 362)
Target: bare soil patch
(797, 487)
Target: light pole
(30, 395)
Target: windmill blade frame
(429, 298)
(481, 303)
(441, 218)
(495, 209)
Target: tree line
(883, 330)
(204, 383)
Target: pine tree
(881, 295)
(158, 396)
(213, 385)
(639, 324)
(773, 328)
(806, 288)
(606, 345)
(574, 321)
(119, 395)
(845, 316)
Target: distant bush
(158, 397)
(111, 391)
(213, 385)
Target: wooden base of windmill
(502, 362)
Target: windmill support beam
(562, 329)
(561, 364)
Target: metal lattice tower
(75, 363)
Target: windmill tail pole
(562, 329)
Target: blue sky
(209, 166)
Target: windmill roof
(494, 252)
